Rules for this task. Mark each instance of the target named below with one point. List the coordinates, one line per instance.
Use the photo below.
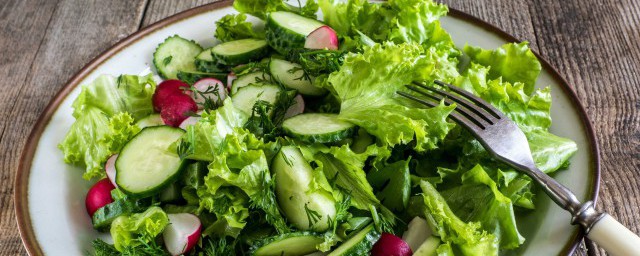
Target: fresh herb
(303, 77)
(167, 60)
(219, 246)
(184, 149)
(265, 200)
(319, 62)
(266, 118)
(312, 216)
(143, 247)
(211, 97)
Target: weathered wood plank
(595, 47)
(38, 64)
(21, 34)
(160, 9)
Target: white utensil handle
(615, 238)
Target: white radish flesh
(182, 233)
(322, 38)
(110, 169)
(230, 77)
(417, 232)
(192, 120)
(295, 109)
(207, 87)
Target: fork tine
(477, 119)
(477, 110)
(475, 99)
(453, 115)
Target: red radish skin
(390, 245)
(295, 109)
(98, 196)
(110, 169)
(177, 109)
(322, 38)
(209, 84)
(230, 77)
(182, 234)
(165, 90)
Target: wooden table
(594, 44)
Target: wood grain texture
(43, 44)
(595, 45)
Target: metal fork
(504, 140)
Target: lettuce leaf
(480, 200)
(468, 237)
(94, 137)
(366, 85)
(531, 113)
(260, 8)
(112, 95)
(514, 62)
(128, 231)
(234, 27)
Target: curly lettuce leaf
(399, 21)
(514, 62)
(112, 95)
(367, 83)
(478, 199)
(532, 113)
(93, 137)
(129, 231)
(468, 237)
(234, 27)
(260, 8)
(203, 141)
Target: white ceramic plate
(50, 194)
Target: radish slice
(98, 196)
(182, 234)
(110, 169)
(297, 107)
(417, 232)
(390, 245)
(322, 38)
(206, 86)
(230, 77)
(165, 90)
(177, 109)
(192, 120)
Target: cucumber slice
(240, 51)
(359, 244)
(286, 31)
(304, 208)
(247, 96)
(429, 247)
(318, 127)
(299, 243)
(205, 63)
(150, 120)
(171, 194)
(191, 77)
(146, 164)
(251, 78)
(175, 54)
(292, 76)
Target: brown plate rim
(22, 176)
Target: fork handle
(615, 238)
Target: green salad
(287, 137)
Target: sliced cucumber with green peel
(358, 244)
(240, 51)
(251, 78)
(150, 120)
(207, 64)
(318, 127)
(247, 96)
(286, 31)
(175, 54)
(298, 243)
(147, 164)
(191, 77)
(292, 76)
(428, 247)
